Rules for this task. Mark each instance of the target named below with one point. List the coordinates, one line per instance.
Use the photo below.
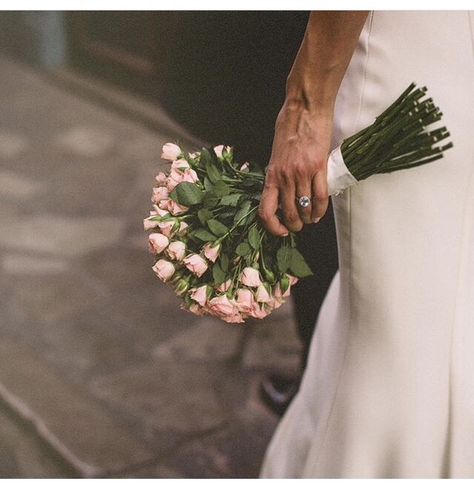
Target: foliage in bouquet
(209, 243)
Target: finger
(291, 217)
(267, 211)
(320, 195)
(304, 188)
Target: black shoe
(277, 391)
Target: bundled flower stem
(397, 139)
(209, 244)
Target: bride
(389, 388)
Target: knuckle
(292, 218)
(322, 194)
(320, 163)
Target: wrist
(309, 96)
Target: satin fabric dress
(389, 387)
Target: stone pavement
(101, 373)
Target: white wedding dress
(389, 387)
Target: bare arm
(303, 127)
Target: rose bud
(166, 227)
(200, 295)
(245, 167)
(170, 152)
(175, 208)
(149, 224)
(245, 299)
(196, 264)
(257, 312)
(182, 227)
(218, 150)
(161, 179)
(233, 318)
(164, 269)
(174, 178)
(225, 286)
(250, 277)
(159, 193)
(221, 306)
(212, 251)
(194, 308)
(157, 243)
(176, 250)
(190, 176)
(262, 294)
(179, 164)
(293, 279)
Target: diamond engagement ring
(303, 201)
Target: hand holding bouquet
(208, 241)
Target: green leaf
(217, 227)
(204, 235)
(188, 194)
(254, 238)
(213, 172)
(174, 196)
(243, 249)
(210, 200)
(242, 212)
(221, 189)
(224, 261)
(205, 156)
(298, 265)
(283, 258)
(218, 274)
(204, 215)
(231, 200)
(207, 184)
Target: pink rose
(159, 193)
(277, 291)
(225, 286)
(211, 252)
(195, 309)
(200, 295)
(221, 306)
(166, 227)
(195, 263)
(233, 318)
(182, 227)
(159, 211)
(190, 176)
(218, 150)
(245, 167)
(170, 152)
(161, 179)
(245, 299)
(262, 294)
(274, 303)
(163, 205)
(174, 178)
(250, 277)
(157, 243)
(164, 269)
(177, 164)
(149, 224)
(176, 250)
(175, 208)
(257, 312)
(293, 279)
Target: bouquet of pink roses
(209, 244)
